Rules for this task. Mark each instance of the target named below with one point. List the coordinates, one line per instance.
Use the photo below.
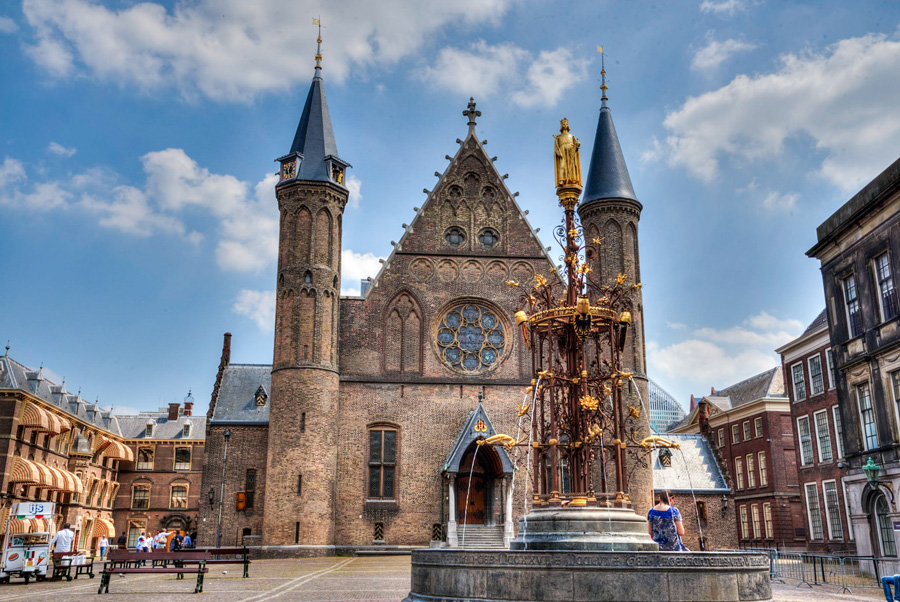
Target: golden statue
(568, 163)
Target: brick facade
(818, 441)
(365, 401)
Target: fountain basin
(442, 575)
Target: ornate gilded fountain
(581, 540)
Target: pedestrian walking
(63, 540)
(103, 544)
(122, 541)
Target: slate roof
(607, 176)
(820, 321)
(693, 467)
(135, 427)
(14, 375)
(315, 137)
(236, 402)
(766, 384)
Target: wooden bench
(61, 569)
(242, 552)
(132, 563)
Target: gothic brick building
(363, 428)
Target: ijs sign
(29, 510)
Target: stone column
(509, 533)
(452, 539)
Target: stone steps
(479, 537)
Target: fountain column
(509, 532)
(452, 539)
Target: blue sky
(137, 141)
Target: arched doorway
(881, 527)
(475, 483)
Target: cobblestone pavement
(367, 579)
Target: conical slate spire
(607, 176)
(315, 137)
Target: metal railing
(844, 572)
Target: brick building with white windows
(160, 489)
(858, 247)
(810, 383)
(749, 427)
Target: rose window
(470, 338)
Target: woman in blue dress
(664, 524)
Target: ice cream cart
(27, 555)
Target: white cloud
(7, 25)
(356, 267)
(125, 411)
(177, 192)
(42, 196)
(59, 149)
(721, 357)
(715, 53)
(855, 123)
(11, 172)
(233, 49)
(776, 200)
(727, 8)
(259, 306)
(354, 185)
(676, 325)
(484, 70)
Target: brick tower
(609, 210)
(303, 417)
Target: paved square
(334, 579)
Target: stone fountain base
(587, 554)
(537, 576)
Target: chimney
(693, 403)
(188, 408)
(173, 410)
(226, 349)
(712, 390)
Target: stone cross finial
(471, 113)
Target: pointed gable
(471, 197)
(477, 426)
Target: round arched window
(488, 237)
(470, 338)
(455, 237)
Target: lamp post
(227, 435)
(871, 469)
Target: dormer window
(337, 174)
(186, 430)
(261, 396)
(149, 431)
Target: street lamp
(211, 495)
(871, 469)
(226, 435)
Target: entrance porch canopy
(477, 426)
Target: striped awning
(25, 471)
(40, 419)
(35, 417)
(103, 526)
(100, 443)
(29, 472)
(118, 450)
(18, 525)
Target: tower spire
(603, 85)
(318, 47)
(607, 176)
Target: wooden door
(470, 500)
